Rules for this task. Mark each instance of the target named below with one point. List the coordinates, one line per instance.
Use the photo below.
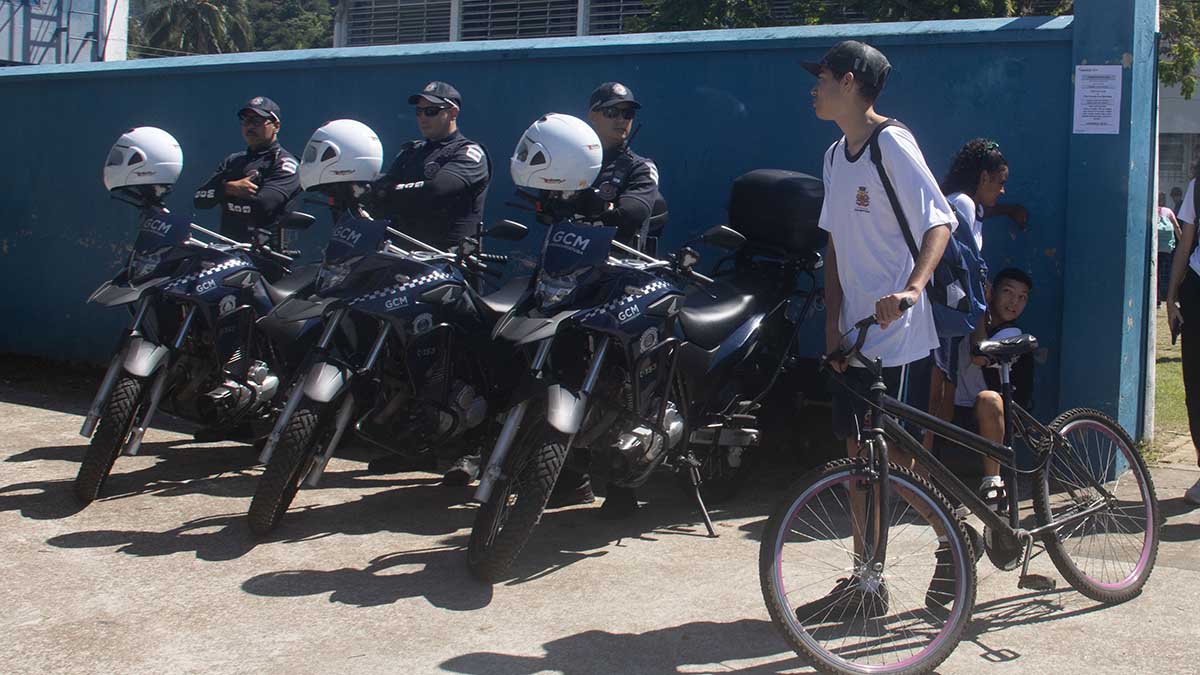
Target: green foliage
(197, 26)
(1178, 50)
(291, 24)
(674, 15)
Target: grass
(1170, 412)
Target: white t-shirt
(970, 213)
(970, 376)
(873, 259)
(1187, 214)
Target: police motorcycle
(404, 357)
(638, 362)
(192, 349)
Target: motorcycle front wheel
(289, 464)
(115, 426)
(503, 525)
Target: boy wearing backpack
(879, 255)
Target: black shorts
(964, 418)
(908, 383)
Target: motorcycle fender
(325, 381)
(143, 357)
(565, 408)
(113, 295)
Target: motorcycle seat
(707, 322)
(300, 278)
(502, 300)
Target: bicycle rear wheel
(1107, 554)
(888, 620)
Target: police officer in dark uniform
(627, 185)
(253, 188)
(435, 188)
(434, 191)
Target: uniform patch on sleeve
(474, 153)
(288, 166)
(653, 171)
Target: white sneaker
(1192, 496)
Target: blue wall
(717, 104)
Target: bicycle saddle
(1008, 349)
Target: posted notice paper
(1098, 99)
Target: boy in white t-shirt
(869, 268)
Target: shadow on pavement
(1174, 529)
(412, 507)
(436, 574)
(686, 648)
(992, 618)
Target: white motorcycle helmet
(143, 156)
(341, 151)
(557, 152)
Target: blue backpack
(956, 289)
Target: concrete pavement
(367, 575)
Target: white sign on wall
(1098, 99)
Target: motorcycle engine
(232, 398)
(637, 451)
(466, 410)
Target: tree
(1179, 20)
(291, 24)
(673, 15)
(1177, 52)
(198, 26)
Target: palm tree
(198, 26)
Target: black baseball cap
(611, 93)
(263, 107)
(437, 92)
(851, 56)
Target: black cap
(262, 106)
(850, 56)
(438, 92)
(611, 93)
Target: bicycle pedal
(1036, 582)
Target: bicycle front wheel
(1098, 486)
(904, 616)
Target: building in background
(62, 31)
(1178, 140)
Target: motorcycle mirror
(296, 220)
(508, 230)
(723, 236)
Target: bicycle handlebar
(862, 326)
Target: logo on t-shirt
(862, 201)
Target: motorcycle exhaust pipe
(343, 421)
(488, 477)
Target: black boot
(571, 489)
(619, 503)
(464, 470)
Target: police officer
(434, 191)
(627, 185)
(436, 186)
(253, 188)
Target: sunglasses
(252, 120)
(612, 112)
(430, 111)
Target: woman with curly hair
(973, 186)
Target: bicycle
(870, 528)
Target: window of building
(499, 19)
(389, 22)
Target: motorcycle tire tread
(492, 564)
(115, 425)
(288, 466)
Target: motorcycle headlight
(142, 263)
(333, 275)
(552, 290)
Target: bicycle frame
(881, 425)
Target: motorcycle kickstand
(694, 474)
